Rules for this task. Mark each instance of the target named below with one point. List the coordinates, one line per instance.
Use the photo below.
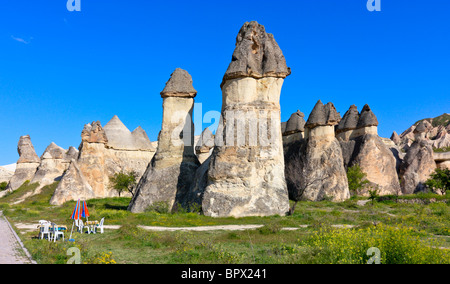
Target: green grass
(424, 227)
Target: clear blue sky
(60, 70)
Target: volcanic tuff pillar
(26, 165)
(171, 172)
(246, 173)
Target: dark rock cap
(367, 118)
(179, 85)
(296, 123)
(257, 55)
(421, 128)
(323, 115)
(333, 117)
(350, 120)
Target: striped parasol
(76, 214)
(84, 211)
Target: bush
(3, 186)
(159, 207)
(397, 245)
(439, 181)
(356, 179)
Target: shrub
(3, 186)
(397, 245)
(159, 207)
(439, 181)
(356, 179)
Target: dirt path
(11, 250)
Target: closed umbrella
(76, 215)
(85, 211)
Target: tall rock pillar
(26, 165)
(171, 172)
(246, 172)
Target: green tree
(124, 182)
(356, 179)
(439, 181)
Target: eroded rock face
(26, 165)
(205, 146)
(361, 145)
(321, 162)
(102, 154)
(54, 162)
(418, 163)
(5, 175)
(246, 169)
(73, 186)
(171, 172)
(378, 162)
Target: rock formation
(26, 165)
(321, 167)
(246, 170)
(171, 172)
(54, 162)
(293, 143)
(396, 138)
(362, 146)
(418, 163)
(5, 175)
(91, 160)
(436, 133)
(205, 146)
(103, 152)
(73, 186)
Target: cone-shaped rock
(142, 142)
(73, 186)
(171, 172)
(246, 170)
(395, 138)
(119, 136)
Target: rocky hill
(437, 133)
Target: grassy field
(403, 231)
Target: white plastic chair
(45, 230)
(56, 232)
(100, 226)
(80, 225)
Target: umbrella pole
(70, 239)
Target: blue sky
(60, 70)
